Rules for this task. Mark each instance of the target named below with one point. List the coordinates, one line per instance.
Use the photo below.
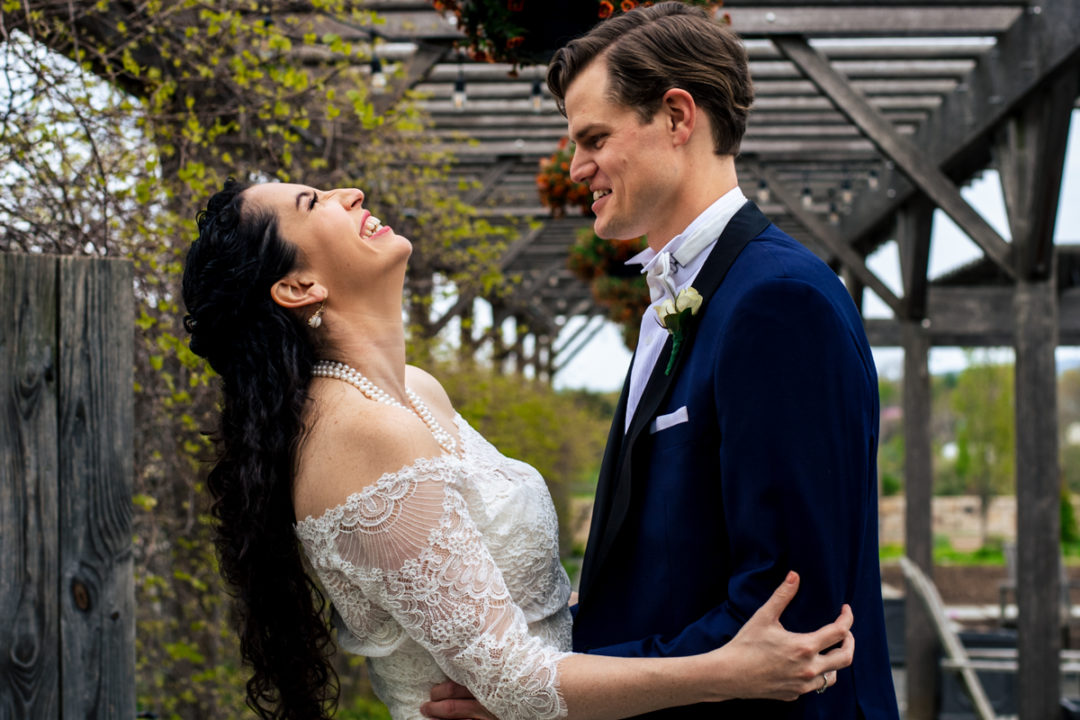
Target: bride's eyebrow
(303, 194)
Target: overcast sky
(602, 364)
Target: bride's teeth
(371, 226)
(597, 194)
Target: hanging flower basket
(556, 189)
(519, 32)
(620, 289)
(528, 32)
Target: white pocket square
(663, 422)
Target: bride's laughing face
(339, 240)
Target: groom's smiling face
(629, 165)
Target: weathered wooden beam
(1038, 498)
(874, 49)
(863, 21)
(916, 165)
(920, 645)
(1036, 45)
(827, 236)
(29, 505)
(976, 317)
(898, 69)
(1031, 158)
(914, 224)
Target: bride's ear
(296, 291)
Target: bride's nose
(350, 197)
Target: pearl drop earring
(316, 320)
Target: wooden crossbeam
(923, 171)
(975, 317)
(863, 21)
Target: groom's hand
(450, 701)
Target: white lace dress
(449, 568)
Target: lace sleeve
(409, 547)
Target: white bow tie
(660, 277)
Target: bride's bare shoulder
(350, 442)
(429, 388)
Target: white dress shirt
(674, 269)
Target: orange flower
(606, 8)
(513, 42)
(627, 5)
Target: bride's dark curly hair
(264, 357)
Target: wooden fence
(67, 602)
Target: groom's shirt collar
(687, 247)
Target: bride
(345, 473)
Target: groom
(745, 441)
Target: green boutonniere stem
(677, 324)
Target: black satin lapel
(744, 226)
(605, 486)
(747, 223)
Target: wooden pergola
(869, 116)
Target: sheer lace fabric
(450, 568)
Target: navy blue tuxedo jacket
(774, 470)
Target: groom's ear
(680, 115)
(296, 290)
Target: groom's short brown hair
(651, 50)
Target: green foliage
(1069, 422)
(1070, 533)
(985, 435)
(991, 553)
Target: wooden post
(67, 463)
(1031, 152)
(920, 642)
(29, 534)
(1038, 496)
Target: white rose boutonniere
(675, 317)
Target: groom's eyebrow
(583, 132)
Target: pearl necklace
(341, 371)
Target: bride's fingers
(779, 600)
(450, 690)
(835, 632)
(842, 656)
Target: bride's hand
(776, 664)
(450, 700)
